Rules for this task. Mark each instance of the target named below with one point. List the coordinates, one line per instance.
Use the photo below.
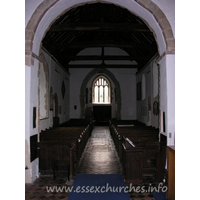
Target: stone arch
(149, 5)
(108, 75)
(32, 25)
(162, 21)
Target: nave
(99, 157)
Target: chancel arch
(48, 11)
(42, 15)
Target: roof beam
(100, 57)
(102, 66)
(99, 44)
(119, 27)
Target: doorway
(102, 114)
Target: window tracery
(101, 90)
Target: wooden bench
(145, 138)
(62, 147)
(132, 162)
(58, 164)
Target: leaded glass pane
(101, 94)
(101, 91)
(96, 94)
(106, 94)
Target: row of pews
(62, 147)
(139, 151)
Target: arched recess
(43, 89)
(140, 8)
(111, 77)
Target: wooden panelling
(171, 173)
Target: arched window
(101, 90)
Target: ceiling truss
(100, 25)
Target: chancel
(100, 94)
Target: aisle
(100, 155)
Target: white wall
(56, 76)
(144, 113)
(127, 81)
(28, 174)
(154, 92)
(126, 78)
(163, 92)
(34, 103)
(77, 76)
(32, 80)
(171, 99)
(167, 97)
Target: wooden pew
(132, 162)
(143, 137)
(63, 145)
(61, 132)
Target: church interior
(99, 93)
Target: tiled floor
(99, 157)
(40, 188)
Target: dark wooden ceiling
(100, 25)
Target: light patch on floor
(100, 148)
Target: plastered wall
(149, 94)
(127, 82)
(57, 77)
